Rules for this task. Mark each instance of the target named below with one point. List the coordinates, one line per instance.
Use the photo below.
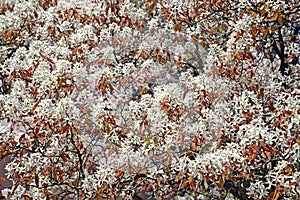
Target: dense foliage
(172, 99)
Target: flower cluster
(170, 99)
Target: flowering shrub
(111, 99)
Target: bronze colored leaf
(221, 182)
(184, 184)
(178, 27)
(22, 152)
(177, 178)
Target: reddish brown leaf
(177, 178)
(64, 157)
(35, 105)
(2, 179)
(63, 129)
(275, 195)
(184, 184)
(221, 182)
(288, 170)
(280, 18)
(74, 51)
(192, 183)
(22, 137)
(178, 27)
(268, 148)
(291, 57)
(293, 183)
(22, 152)
(47, 59)
(47, 126)
(194, 146)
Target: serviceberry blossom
(163, 99)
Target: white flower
(5, 192)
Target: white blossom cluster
(173, 99)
